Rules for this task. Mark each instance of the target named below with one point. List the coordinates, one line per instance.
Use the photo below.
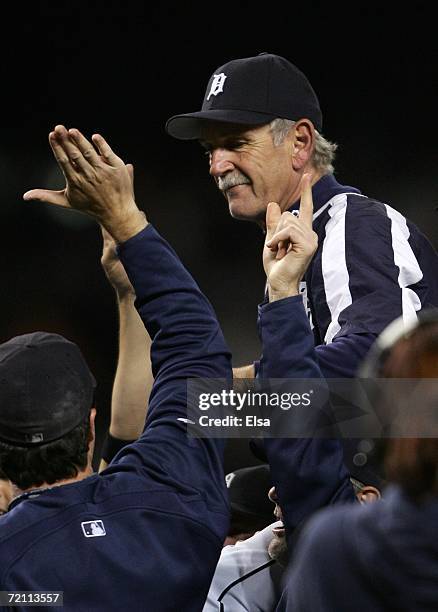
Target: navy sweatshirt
(146, 533)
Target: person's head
(251, 509)
(277, 547)
(46, 410)
(260, 124)
(367, 484)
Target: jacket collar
(324, 190)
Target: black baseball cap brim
(189, 126)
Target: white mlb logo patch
(93, 529)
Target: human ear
(302, 143)
(368, 495)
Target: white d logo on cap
(229, 479)
(217, 85)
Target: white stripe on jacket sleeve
(405, 260)
(334, 265)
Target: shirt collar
(27, 495)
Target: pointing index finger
(306, 202)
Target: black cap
(248, 491)
(46, 388)
(251, 91)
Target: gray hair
(324, 152)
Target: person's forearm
(342, 357)
(187, 342)
(122, 227)
(287, 340)
(133, 379)
(283, 293)
(187, 339)
(307, 473)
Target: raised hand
(290, 245)
(98, 183)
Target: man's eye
(238, 144)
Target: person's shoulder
(367, 205)
(354, 207)
(6, 522)
(16, 534)
(369, 217)
(325, 523)
(326, 529)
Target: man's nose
(220, 162)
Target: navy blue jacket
(372, 265)
(162, 503)
(377, 558)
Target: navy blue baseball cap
(251, 91)
(248, 491)
(46, 388)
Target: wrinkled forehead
(214, 132)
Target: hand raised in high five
(98, 183)
(290, 245)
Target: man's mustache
(232, 180)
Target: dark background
(122, 69)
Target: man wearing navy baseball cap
(47, 413)
(46, 389)
(46, 396)
(261, 124)
(251, 509)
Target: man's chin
(245, 211)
